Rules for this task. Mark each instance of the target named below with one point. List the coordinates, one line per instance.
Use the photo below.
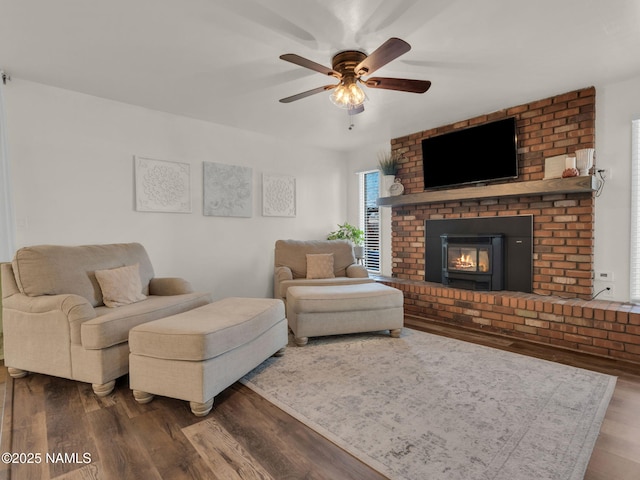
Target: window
(370, 218)
(635, 212)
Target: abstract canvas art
(278, 196)
(228, 190)
(162, 186)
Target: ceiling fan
(350, 66)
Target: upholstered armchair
(315, 262)
(67, 310)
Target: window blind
(370, 219)
(635, 212)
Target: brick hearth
(611, 329)
(560, 312)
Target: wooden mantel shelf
(536, 187)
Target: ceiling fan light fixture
(348, 94)
(349, 67)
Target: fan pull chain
(352, 122)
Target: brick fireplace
(562, 223)
(558, 309)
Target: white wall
(616, 106)
(72, 170)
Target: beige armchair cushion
(320, 265)
(207, 332)
(111, 325)
(59, 269)
(120, 286)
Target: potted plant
(389, 164)
(349, 232)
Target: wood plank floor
(244, 437)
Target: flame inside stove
(470, 260)
(464, 262)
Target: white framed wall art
(278, 196)
(162, 186)
(228, 190)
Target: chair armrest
(74, 308)
(169, 286)
(280, 274)
(357, 271)
(283, 273)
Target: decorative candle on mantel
(570, 162)
(570, 169)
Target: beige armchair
(54, 314)
(292, 265)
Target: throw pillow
(320, 265)
(120, 286)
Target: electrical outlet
(605, 173)
(604, 276)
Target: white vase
(387, 181)
(584, 160)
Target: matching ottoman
(195, 355)
(331, 310)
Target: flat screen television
(478, 154)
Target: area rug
(429, 407)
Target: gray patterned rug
(429, 407)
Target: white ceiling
(217, 60)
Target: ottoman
(330, 310)
(195, 355)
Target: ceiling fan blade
(400, 84)
(306, 63)
(308, 93)
(389, 50)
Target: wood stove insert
(517, 246)
(473, 261)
